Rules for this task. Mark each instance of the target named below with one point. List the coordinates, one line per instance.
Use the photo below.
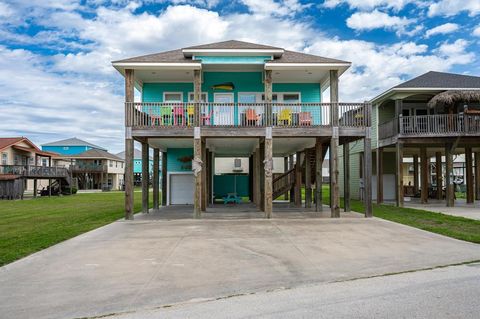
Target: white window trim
(258, 96)
(191, 100)
(224, 93)
(181, 97)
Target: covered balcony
(287, 115)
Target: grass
(31, 225)
(452, 226)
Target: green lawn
(31, 225)
(447, 225)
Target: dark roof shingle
(434, 79)
(299, 57)
(95, 153)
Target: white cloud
(453, 7)
(442, 29)
(476, 31)
(369, 4)
(275, 8)
(377, 20)
(376, 68)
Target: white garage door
(181, 189)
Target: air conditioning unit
(237, 165)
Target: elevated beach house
(137, 165)
(238, 99)
(419, 128)
(90, 165)
(23, 166)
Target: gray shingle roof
(137, 154)
(95, 153)
(434, 79)
(73, 142)
(299, 57)
(176, 56)
(233, 44)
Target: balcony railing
(88, 168)
(431, 125)
(34, 171)
(167, 115)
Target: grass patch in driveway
(27, 226)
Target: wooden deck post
(438, 173)
(415, 174)
(197, 167)
(253, 172)
(156, 181)
(308, 179)
(298, 180)
(318, 175)
(261, 174)
(203, 202)
(380, 175)
(477, 175)
(164, 178)
(285, 169)
(128, 180)
(335, 194)
(197, 91)
(367, 176)
(449, 187)
(258, 172)
(291, 165)
(268, 97)
(399, 175)
(334, 142)
(424, 175)
(469, 174)
(268, 168)
(35, 187)
(346, 177)
(145, 176)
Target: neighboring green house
(235, 99)
(417, 129)
(137, 165)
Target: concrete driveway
(149, 263)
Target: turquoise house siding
(137, 165)
(224, 184)
(66, 150)
(243, 82)
(153, 92)
(178, 159)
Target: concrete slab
(461, 209)
(131, 265)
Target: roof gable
(233, 44)
(95, 153)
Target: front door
(224, 111)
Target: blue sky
(56, 79)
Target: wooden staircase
(286, 181)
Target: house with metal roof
(419, 128)
(70, 146)
(236, 99)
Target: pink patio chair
(178, 115)
(305, 118)
(206, 118)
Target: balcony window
(111, 163)
(203, 97)
(291, 98)
(4, 158)
(173, 97)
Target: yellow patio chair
(285, 117)
(190, 114)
